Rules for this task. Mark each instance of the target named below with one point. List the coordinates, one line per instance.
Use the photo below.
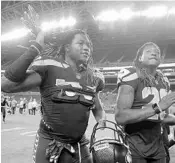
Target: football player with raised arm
(69, 88)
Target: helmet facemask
(108, 144)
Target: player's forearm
(32, 80)
(99, 115)
(98, 111)
(16, 72)
(125, 116)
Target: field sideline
(18, 134)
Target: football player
(143, 98)
(69, 88)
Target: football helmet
(108, 144)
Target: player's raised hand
(31, 20)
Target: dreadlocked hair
(57, 49)
(146, 78)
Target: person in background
(21, 105)
(13, 105)
(24, 104)
(4, 105)
(34, 106)
(142, 105)
(9, 107)
(29, 107)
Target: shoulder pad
(127, 74)
(48, 61)
(43, 58)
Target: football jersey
(66, 98)
(145, 135)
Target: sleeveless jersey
(145, 136)
(66, 99)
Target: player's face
(80, 48)
(151, 56)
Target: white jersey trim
(49, 62)
(130, 77)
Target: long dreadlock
(148, 79)
(57, 49)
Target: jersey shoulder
(128, 74)
(49, 61)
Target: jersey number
(158, 95)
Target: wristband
(156, 108)
(36, 46)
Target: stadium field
(18, 134)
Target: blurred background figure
(21, 105)
(30, 103)
(24, 104)
(34, 106)
(9, 106)
(13, 105)
(4, 104)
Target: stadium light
(71, 21)
(126, 14)
(67, 22)
(15, 34)
(63, 23)
(155, 11)
(105, 16)
(108, 16)
(46, 26)
(171, 11)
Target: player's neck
(69, 61)
(151, 70)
